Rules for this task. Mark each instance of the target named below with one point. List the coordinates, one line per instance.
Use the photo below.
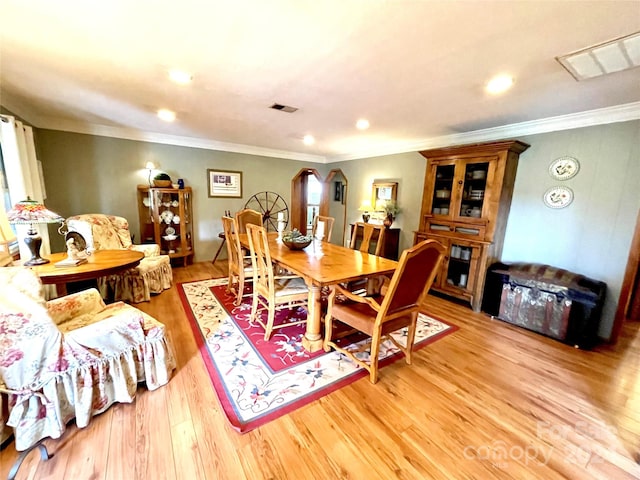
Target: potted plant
(390, 209)
(162, 180)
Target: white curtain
(23, 174)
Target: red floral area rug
(256, 380)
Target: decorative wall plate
(558, 197)
(564, 168)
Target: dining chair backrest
(232, 241)
(263, 278)
(412, 279)
(239, 270)
(322, 227)
(271, 292)
(247, 217)
(371, 234)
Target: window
(314, 196)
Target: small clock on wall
(558, 197)
(564, 168)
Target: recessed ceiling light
(362, 124)
(166, 115)
(499, 84)
(308, 140)
(180, 77)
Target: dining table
(322, 264)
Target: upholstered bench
(548, 300)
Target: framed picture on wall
(224, 183)
(337, 191)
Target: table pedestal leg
(312, 340)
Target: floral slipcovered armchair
(108, 232)
(71, 357)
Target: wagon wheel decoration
(270, 204)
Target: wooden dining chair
(371, 235)
(322, 227)
(248, 217)
(379, 316)
(272, 292)
(240, 267)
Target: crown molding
(601, 116)
(182, 141)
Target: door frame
(298, 217)
(630, 285)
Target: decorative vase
(388, 220)
(365, 217)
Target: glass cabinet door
(473, 189)
(168, 219)
(459, 269)
(146, 216)
(187, 223)
(441, 202)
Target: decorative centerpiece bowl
(162, 180)
(295, 240)
(297, 244)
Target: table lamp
(6, 237)
(365, 208)
(150, 166)
(30, 212)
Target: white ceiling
(415, 69)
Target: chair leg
(328, 332)
(230, 282)
(270, 319)
(254, 309)
(240, 291)
(411, 334)
(44, 455)
(373, 359)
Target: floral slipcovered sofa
(71, 357)
(109, 232)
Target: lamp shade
(29, 212)
(366, 206)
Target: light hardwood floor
(489, 401)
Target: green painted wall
(90, 174)
(592, 236)
(85, 173)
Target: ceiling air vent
(603, 59)
(283, 108)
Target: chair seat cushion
(290, 286)
(362, 316)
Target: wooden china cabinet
(465, 206)
(166, 218)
